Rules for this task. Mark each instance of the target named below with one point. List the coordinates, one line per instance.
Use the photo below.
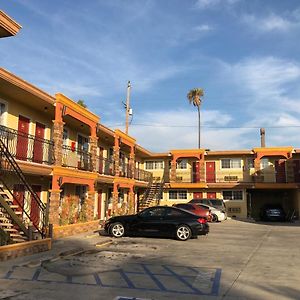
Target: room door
(22, 140)
(38, 143)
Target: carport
(257, 198)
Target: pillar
(173, 170)
(201, 169)
(132, 162)
(115, 199)
(131, 201)
(93, 147)
(117, 156)
(58, 128)
(54, 206)
(90, 202)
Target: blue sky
(244, 54)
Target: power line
(207, 126)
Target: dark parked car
(196, 209)
(214, 202)
(158, 221)
(272, 212)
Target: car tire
(214, 218)
(183, 232)
(117, 230)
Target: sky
(244, 54)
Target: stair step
(14, 206)
(6, 224)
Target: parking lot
(237, 260)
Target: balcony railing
(76, 158)
(125, 170)
(142, 175)
(27, 147)
(105, 166)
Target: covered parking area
(289, 199)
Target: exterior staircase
(152, 194)
(17, 223)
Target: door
(34, 207)
(197, 195)
(83, 147)
(280, 171)
(38, 143)
(296, 168)
(22, 140)
(19, 196)
(210, 172)
(196, 171)
(211, 195)
(99, 204)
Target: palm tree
(194, 96)
(81, 103)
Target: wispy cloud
(209, 4)
(271, 22)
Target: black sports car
(158, 221)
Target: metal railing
(105, 166)
(76, 158)
(142, 175)
(27, 147)
(125, 170)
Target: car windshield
(153, 212)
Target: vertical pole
(127, 107)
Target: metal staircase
(153, 194)
(16, 217)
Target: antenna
(127, 107)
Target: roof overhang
(8, 27)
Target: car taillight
(202, 220)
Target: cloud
(209, 4)
(271, 23)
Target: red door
(99, 203)
(34, 207)
(22, 141)
(196, 171)
(19, 195)
(280, 171)
(197, 195)
(296, 170)
(38, 143)
(211, 195)
(210, 172)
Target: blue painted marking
(97, 279)
(36, 274)
(183, 280)
(126, 278)
(157, 282)
(216, 283)
(9, 273)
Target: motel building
(61, 170)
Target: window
(231, 163)
(264, 163)
(182, 164)
(177, 194)
(153, 212)
(233, 195)
(250, 163)
(2, 113)
(154, 164)
(65, 137)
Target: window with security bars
(231, 163)
(177, 194)
(182, 164)
(233, 195)
(154, 164)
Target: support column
(132, 162)
(115, 199)
(58, 128)
(131, 202)
(54, 206)
(90, 203)
(173, 170)
(117, 156)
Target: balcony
(76, 158)
(27, 147)
(125, 170)
(105, 166)
(142, 175)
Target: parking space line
(126, 278)
(152, 276)
(216, 283)
(36, 274)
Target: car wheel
(117, 230)
(183, 233)
(214, 218)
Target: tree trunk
(199, 131)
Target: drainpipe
(262, 137)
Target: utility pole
(127, 106)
